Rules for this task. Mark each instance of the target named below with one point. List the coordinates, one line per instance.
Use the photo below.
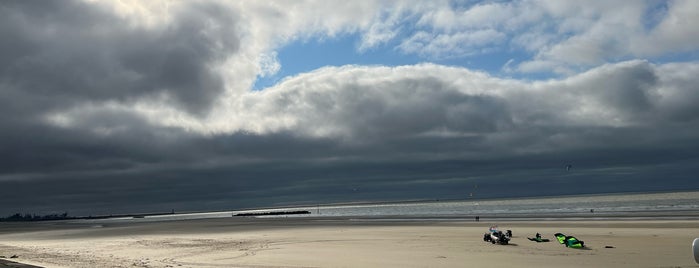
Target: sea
(669, 205)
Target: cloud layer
(111, 107)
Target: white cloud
(675, 33)
(377, 35)
(367, 104)
(384, 28)
(565, 35)
(449, 32)
(358, 101)
(450, 45)
(599, 32)
(269, 64)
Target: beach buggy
(496, 236)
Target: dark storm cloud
(57, 56)
(681, 90)
(221, 187)
(628, 90)
(61, 53)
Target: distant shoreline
(413, 201)
(98, 217)
(311, 207)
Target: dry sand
(237, 242)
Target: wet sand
(293, 242)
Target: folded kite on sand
(537, 238)
(569, 241)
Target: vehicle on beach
(496, 236)
(569, 241)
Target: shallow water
(570, 206)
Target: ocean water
(612, 205)
(568, 205)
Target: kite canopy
(569, 241)
(561, 237)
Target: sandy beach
(294, 242)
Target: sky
(111, 107)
